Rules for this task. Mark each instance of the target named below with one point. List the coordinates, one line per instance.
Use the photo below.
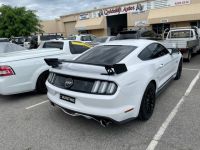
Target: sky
(51, 9)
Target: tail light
(51, 77)
(104, 87)
(6, 71)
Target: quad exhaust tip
(105, 123)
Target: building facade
(155, 14)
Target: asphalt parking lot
(29, 122)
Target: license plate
(67, 98)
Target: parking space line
(191, 69)
(164, 126)
(30, 107)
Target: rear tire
(40, 86)
(189, 56)
(148, 102)
(179, 71)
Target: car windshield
(181, 34)
(106, 55)
(101, 39)
(58, 45)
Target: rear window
(127, 35)
(6, 47)
(58, 45)
(106, 55)
(86, 38)
(147, 34)
(71, 38)
(181, 34)
(101, 39)
(78, 47)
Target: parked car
(138, 34)
(185, 39)
(4, 40)
(25, 71)
(7, 47)
(27, 43)
(18, 40)
(87, 38)
(103, 39)
(37, 39)
(113, 82)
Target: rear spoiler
(111, 69)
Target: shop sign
(135, 8)
(164, 21)
(179, 2)
(97, 14)
(141, 23)
(84, 16)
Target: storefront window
(195, 23)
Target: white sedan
(25, 70)
(113, 82)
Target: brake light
(6, 71)
(104, 87)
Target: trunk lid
(28, 54)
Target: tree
(17, 21)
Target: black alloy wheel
(179, 71)
(148, 103)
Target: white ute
(185, 39)
(113, 82)
(26, 70)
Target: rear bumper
(112, 108)
(10, 86)
(89, 116)
(5, 86)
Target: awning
(174, 14)
(90, 24)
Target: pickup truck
(184, 39)
(26, 70)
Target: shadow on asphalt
(19, 97)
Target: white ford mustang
(113, 82)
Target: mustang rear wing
(111, 69)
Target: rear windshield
(106, 55)
(101, 39)
(127, 35)
(58, 45)
(71, 38)
(181, 34)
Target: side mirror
(173, 51)
(170, 51)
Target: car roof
(105, 36)
(131, 42)
(60, 40)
